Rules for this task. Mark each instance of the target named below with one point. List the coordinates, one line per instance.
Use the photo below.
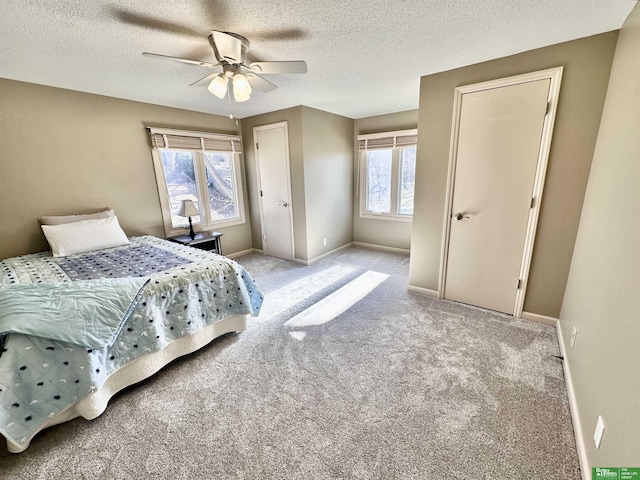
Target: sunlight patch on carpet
(339, 301)
(295, 292)
(298, 335)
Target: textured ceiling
(364, 57)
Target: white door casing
(500, 143)
(271, 146)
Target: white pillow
(84, 236)
(60, 219)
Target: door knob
(459, 216)
(283, 204)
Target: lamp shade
(241, 88)
(188, 209)
(218, 85)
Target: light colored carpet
(397, 386)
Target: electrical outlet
(597, 435)
(324, 242)
(573, 336)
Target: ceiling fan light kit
(218, 85)
(241, 88)
(230, 50)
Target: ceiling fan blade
(182, 60)
(260, 83)
(152, 23)
(287, 34)
(278, 67)
(201, 51)
(204, 81)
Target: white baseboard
(381, 247)
(423, 291)
(534, 317)
(243, 252)
(585, 468)
(324, 255)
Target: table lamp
(188, 209)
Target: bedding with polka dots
(188, 289)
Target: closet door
(274, 186)
(499, 141)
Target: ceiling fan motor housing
(229, 47)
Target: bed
(76, 329)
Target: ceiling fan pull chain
(229, 99)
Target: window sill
(174, 232)
(386, 217)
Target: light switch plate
(597, 435)
(573, 336)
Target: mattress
(189, 297)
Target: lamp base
(192, 234)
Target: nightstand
(204, 241)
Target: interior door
(498, 147)
(272, 156)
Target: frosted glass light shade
(241, 88)
(218, 85)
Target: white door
(274, 185)
(499, 141)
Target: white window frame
(206, 223)
(396, 157)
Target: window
(201, 167)
(407, 180)
(379, 165)
(387, 175)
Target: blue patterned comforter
(88, 313)
(188, 289)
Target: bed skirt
(141, 368)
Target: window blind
(404, 138)
(195, 141)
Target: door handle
(460, 216)
(283, 204)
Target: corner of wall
(601, 296)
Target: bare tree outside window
(204, 168)
(390, 175)
(379, 164)
(407, 180)
(180, 177)
(222, 197)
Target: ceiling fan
(230, 50)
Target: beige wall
(293, 117)
(328, 179)
(603, 291)
(321, 178)
(63, 152)
(587, 64)
(388, 233)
